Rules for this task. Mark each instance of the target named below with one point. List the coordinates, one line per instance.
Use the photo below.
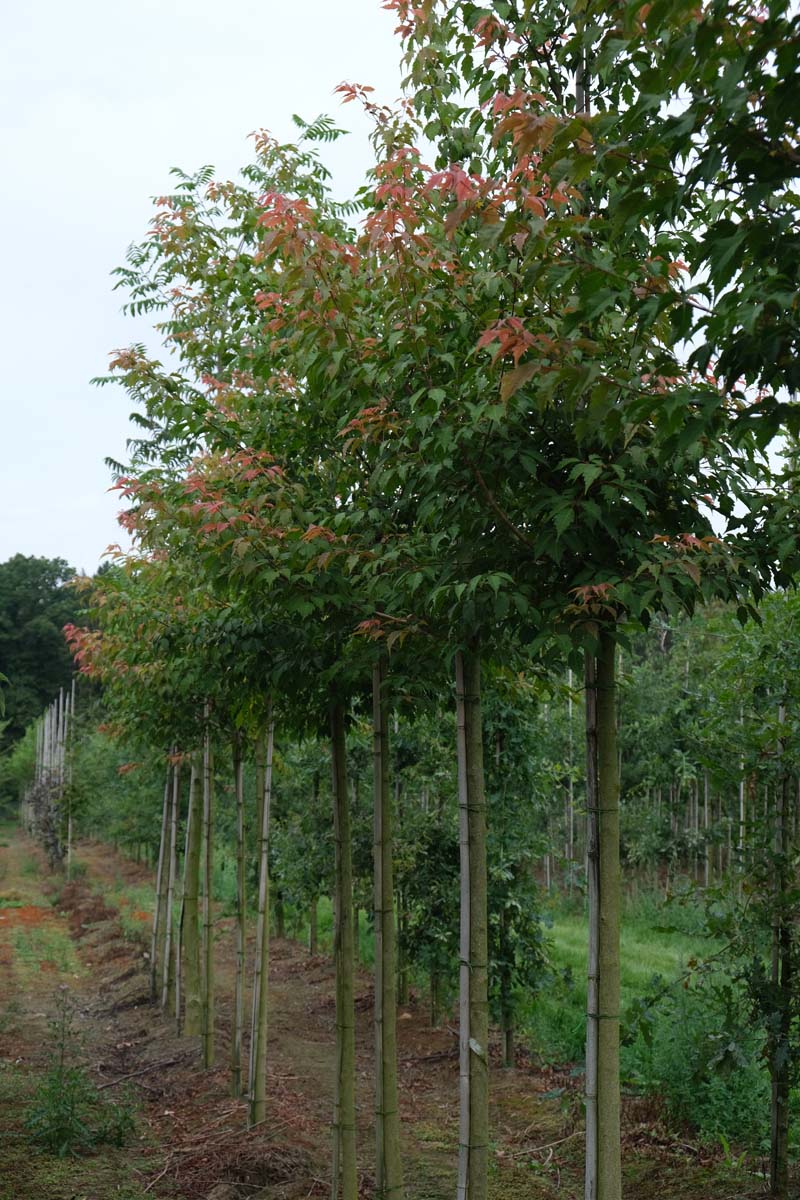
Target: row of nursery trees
(484, 422)
(681, 689)
(45, 804)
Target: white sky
(100, 100)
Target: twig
(548, 1145)
(160, 1175)
(168, 1062)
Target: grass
(29, 867)
(131, 899)
(555, 1022)
(27, 1173)
(45, 945)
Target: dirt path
(192, 1141)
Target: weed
(131, 901)
(67, 1114)
(45, 944)
(29, 867)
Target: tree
(35, 603)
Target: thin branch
(498, 511)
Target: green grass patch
(77, 869)
(555, 1022)
(34, 947)
(29, 867)
(131, 901)
(688, 1035)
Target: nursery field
(82, 946)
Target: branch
(497, 510)
(167, 1062)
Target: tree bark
(780, 1049)
(193, 991)
(742, 802)
(241, 912)
(345, 1171)
(168, 975)
(593, 895)
(258, 1040)
(603, 1159)
(157, 939)
(706, 833)
(208, 898)
(473, 1003)
(389, 1173)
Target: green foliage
(702, 1054)
(16, 769)
(35, 604)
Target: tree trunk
(193, 990)
(258, 1039)
(603, 1162)
(742, 804)
(570, 788)
(168, 976)
(473, 1004)
(780, 1048)
(344, 1116)
(208, 898)
(157, 939)
(241, 913)
(706, 833)
(388, 1168)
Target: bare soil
(193, 1142)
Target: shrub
(700, 1052)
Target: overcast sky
(100, 100)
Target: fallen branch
(547, 1145)
(167, 1062)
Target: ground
(87, 940)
